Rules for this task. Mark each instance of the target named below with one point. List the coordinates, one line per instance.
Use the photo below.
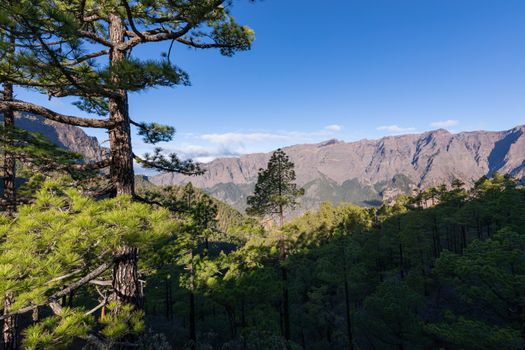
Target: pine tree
(61, 243)
(276, 191)
(85, 50)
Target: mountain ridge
(370, 166)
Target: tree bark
(9, 157)
(9, 331)
(126, 287)
(284, 278)
(121, 169)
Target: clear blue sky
(346, 69)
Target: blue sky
(345, 69)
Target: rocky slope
(367, 172)
(65, 136)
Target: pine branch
(51, 115)
(94, 37)
(130, 20)
(86, 57)
(171, 163)
(162, 33)
(153, 132)
(51, 301)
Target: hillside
(66, 136)
(367, 172)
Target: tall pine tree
(274, 192)
(85, 49)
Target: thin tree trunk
(34, 315)
(286, 310)
(193, 328)
(347, 306)
(463, 238)
(9, 330)
(230, 311)
(121, 169)
(284, 278)
(168, 298)
(401, 262)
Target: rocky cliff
(65, 136)
(367, 172)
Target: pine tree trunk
(401, 262)
(286, 309)
(9, 330)
(193, 328)
(121, 169)
(9, 157)
(347, 305)
(284, 278)
(169, 302)
(126, 287)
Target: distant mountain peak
(329, 142)
(368, 171)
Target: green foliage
(170, 163)
(474, 334)
(121, 321)
(391, 317)
(36, 152)
(85, 50)
(56, 332)
(448, 275)
(154, 133)
(64, 235)
(275, 187)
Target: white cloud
(207, 147)
(333, 127)
(229, 137)
(444, 123)
(395, 129)
(250, 137)
(206, 154)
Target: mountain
(66, 136)
(367, 172)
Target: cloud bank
(395, 129)
(444, 123)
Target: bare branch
(51, 301)
(101, 283)
(95, 38)
(52, 115)
(56, 279)
(93, 166)
(130, 20)
(86, 57)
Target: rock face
(367, 172)
(66, 136)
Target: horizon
(369, 70)
(146, 172)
